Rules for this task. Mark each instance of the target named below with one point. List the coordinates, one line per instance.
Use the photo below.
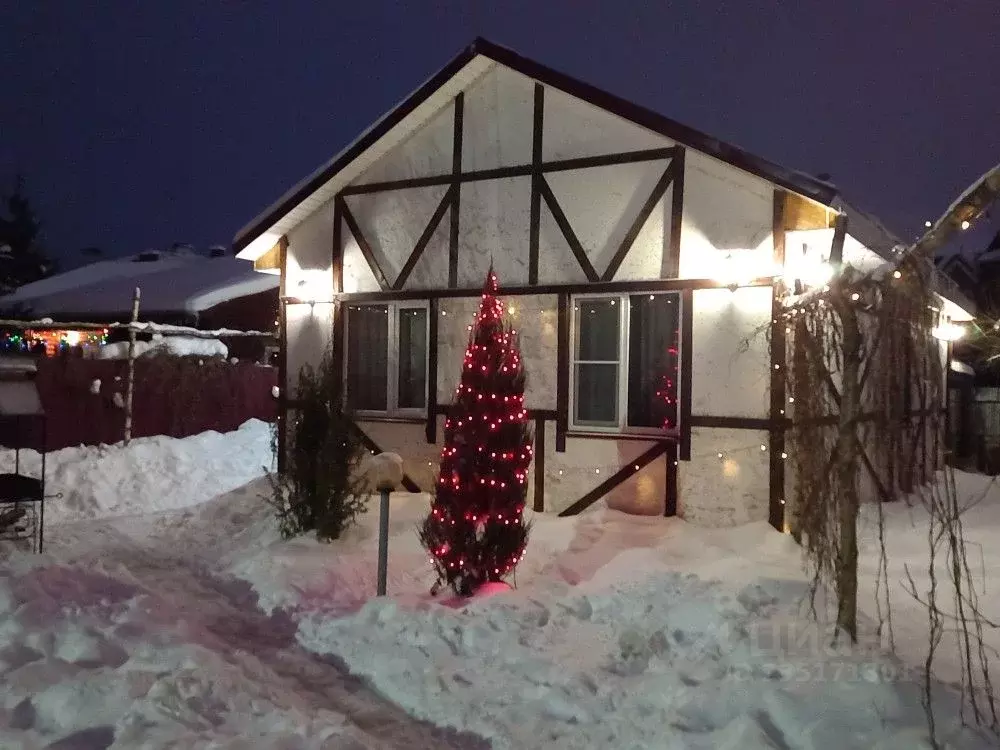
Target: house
(179, 286)
(641, 260)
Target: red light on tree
(475, 532)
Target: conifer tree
(476, 532)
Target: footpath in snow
(167, 612)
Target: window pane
(412, 383)
(597, 330)
(596, 395)
(653, 361)
(367, 347)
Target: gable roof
(183, 283)
(393, 127)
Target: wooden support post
(130, 385)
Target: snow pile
(200, 627)
(175, 346)
(136, 642)
(150, 474)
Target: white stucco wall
(310, 277)
(726, 213)
(730, 361)
(533, 316)
(725, 491)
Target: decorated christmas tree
(475, 532)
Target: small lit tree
(475, 532)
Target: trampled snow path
(134, 636)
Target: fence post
(130, 387)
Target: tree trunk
(130, 386)
(848, 456)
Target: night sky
(139, 124)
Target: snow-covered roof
(176, 281)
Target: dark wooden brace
(540, 191)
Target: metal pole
(383, 540)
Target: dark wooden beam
(282, 356)
(366, 249)
(617, 478)
(734, 423)
(596, 287)
(536, 178)
(539, 457)
(676, 213)
(837, 246)
(408, 484)
(549, 415)
(779, 363)
(430, 431)
(670, 501)
(337, 251)
(633, 231)
(562, 373)
(567, 231)
(448, 199)
(456, 203)
(687, 356)
(519, 170)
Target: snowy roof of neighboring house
(175, 282)
(474, 61)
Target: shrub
(319, 489)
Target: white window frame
(393, 310)
(624, 327)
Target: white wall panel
(392, 222)
(498, 120)
(586, 463)
(426, 152)
(574, 128)
(431, 270)
(730, 361)
(726, 212)
(494, 226)
(602, 203)
(309, 333)
(725, 491)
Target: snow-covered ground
(198, 626)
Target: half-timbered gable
(640, 260)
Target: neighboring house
(178, 286)
(640, 260)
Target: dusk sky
(139, 124)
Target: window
(625, 362)
(386, 357)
